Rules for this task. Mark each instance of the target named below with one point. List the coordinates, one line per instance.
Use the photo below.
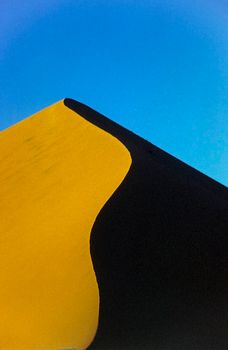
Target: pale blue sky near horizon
(159, 68)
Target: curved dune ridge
(57, 172)
(162, 268)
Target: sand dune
(105, 235)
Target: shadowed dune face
(162, 268)
(57, 172)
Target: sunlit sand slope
(57, 170)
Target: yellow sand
(57, 170)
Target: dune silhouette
(107, 241)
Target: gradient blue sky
(159, 68)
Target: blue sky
(159, 68)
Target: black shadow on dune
(160, 251)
